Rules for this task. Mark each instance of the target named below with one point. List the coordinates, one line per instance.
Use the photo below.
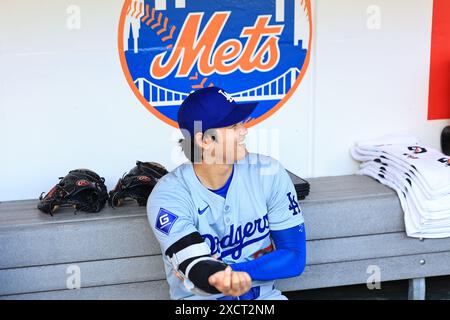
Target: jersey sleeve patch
(165, 220)
(293, 204)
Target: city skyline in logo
(171, 48)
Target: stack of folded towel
(419, 174)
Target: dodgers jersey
(261, 197)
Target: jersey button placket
(226, 210)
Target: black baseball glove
(137, 184)
(82, 189)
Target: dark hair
(191, 150)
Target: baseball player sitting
(228, 221)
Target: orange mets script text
(230, 55)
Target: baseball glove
(82, 189)
(137, 184)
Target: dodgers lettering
(236, 238)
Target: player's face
(230, 146)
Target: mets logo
(257, 51)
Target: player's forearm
(191, 258)
(281, 263)
(288, 260)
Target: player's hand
(231, 283)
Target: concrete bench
(354, 226)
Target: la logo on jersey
(293, 204)
(257, 51)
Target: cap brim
(240, 113)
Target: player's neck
(213, 176)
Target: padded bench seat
(352, 222)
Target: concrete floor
(437, 288)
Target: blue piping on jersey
(224, 190)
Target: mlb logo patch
(165, 220)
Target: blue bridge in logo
(275, 89)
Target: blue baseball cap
(213, 108)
